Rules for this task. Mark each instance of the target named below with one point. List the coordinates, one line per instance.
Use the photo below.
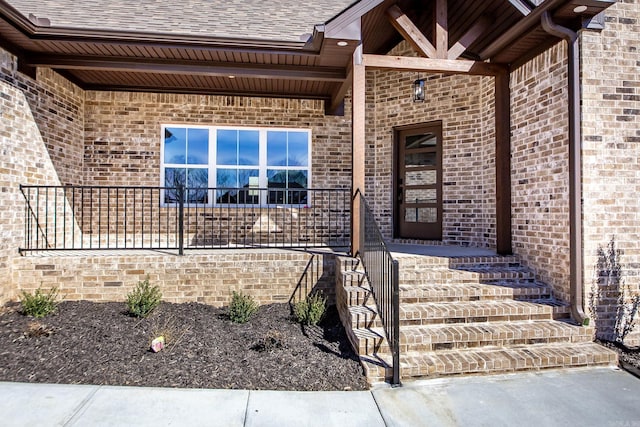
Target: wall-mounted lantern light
(418, 90)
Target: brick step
(482, 262)
(495, 273)
(447, 292)
(472, 312)
(473, 335)
(364, 316)
(523, 289)
(359, 295)
(353, 278)
(490, 360)
(446, 276)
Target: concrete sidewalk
(585, 397)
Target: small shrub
(40, 303)
(311, 310)
(37, 329)
(271, 341)
(242, 307)
(143, 299)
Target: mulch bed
(98, 343)
(629, 358)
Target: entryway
(418, 182)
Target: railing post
(396, 322)
(182, 194)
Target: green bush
(40, 303)
(311, 310)
(143, 299)
(242, 307)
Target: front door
(418, 182)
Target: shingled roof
(282, 20)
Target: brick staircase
(464, 316)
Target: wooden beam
(468, 38)
(337, 98)
(410, 32)
(358, 142)
(503, 163)
(441, 30)
(201, 68)
(459, 66)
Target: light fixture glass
(418, 90)
(342, 43)
(580, 9)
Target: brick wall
(24, 158)
(464, 104)
(611, 173)
(122, 132)
(269, 276)
(539, 167)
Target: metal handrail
(175, 218)
(383, 274)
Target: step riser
(455, 277)
(497, 342)
(474, 319)
(503, 363)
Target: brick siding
(611, 149)
(539, 167)
(269, 276)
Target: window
(245, 165)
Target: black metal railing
(383, 275)
(168, 218)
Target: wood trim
(202, 68)
(197, 91)
(354, 12)
(459, 66)
(522, 6)
(358, 141)
(503, 164)
(468, 38)
(441, 30)
(410, 32)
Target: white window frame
(212, 165)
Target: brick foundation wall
(539, 167)
(24, 158)
(464, 104)
(611, 149)
(269, 276)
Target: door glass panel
(421, 141)
(421, 196)
(420, 159)
(424, 215)
(426, 177)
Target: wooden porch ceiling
(500, 31)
